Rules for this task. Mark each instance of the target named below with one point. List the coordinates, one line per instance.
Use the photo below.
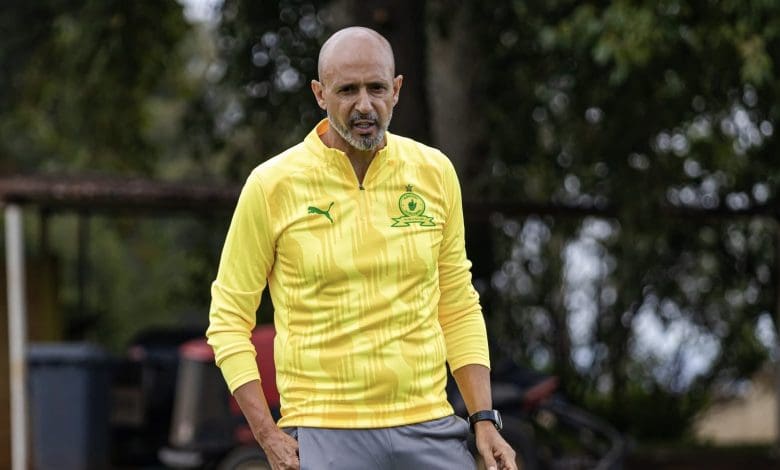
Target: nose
(363, 103)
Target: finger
(506, 457)
(508, 464)
(490, 462)
(288, 464)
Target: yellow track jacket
(371, 285)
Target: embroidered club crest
(412, 206)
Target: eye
(377, 88)
(347, 89)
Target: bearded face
(365, 132)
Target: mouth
(364, 125)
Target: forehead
(361, 61)
(358, 72)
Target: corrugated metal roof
(122, 194)
(95, 194)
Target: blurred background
(618, 163)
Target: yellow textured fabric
(371, 287)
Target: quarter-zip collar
(337, 158)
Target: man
(359, 235)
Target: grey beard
(366, 143)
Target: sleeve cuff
(239, 368)
(478, 359)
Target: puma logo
(326, 213)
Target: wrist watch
(486, 415)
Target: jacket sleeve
(460, 314)
(247, 258)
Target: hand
(281, 450)
(497, 454)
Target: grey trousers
(436, 445)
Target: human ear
(397, 82)
(318, 89)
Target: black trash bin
(142, 389)
(69, 405)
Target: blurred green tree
(641, 108)
(258, 102)
(632, 111)
(84, 88)
(77, 78)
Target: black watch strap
(486, 415)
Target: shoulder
(412, 152)
(283, 167)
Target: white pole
(17, 333)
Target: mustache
(355, 117)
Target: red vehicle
(207, 428)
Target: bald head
(358, 90)
(352, 41)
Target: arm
(474, 384)
(280, 449)
(460, 316)
(247, 258)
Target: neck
(360, 159)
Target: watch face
(498, 422)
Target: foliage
(259, 103)
(634, 110)
(630, 108)
(79, 75)
(132, 88)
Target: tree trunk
(402, 22)
(452, 69)
(453, 63)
